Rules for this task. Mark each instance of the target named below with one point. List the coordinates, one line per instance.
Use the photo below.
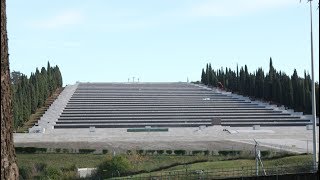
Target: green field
(156, 165)
(225, 167)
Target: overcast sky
(159, 41)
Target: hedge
(30, 150)
(86, 151)
(226, 153)
(179, 152)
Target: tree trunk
(9, 168)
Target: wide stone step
(135, 121)
(244, 124)
(153, 99)
(188, 109)
(129, 125)
(159, 105)
(243, 115)
(93, 95)
(226, 118)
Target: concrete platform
(293, 139)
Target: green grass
(218, 165)
(61, 160)
(157, 165)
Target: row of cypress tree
(31, 93)
(275, 86)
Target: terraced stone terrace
(131, 105)
(99, 116)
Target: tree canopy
(275, 86)
(31, 93)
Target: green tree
(203, 77)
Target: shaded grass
(61, 160)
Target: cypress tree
(291, 91)
(295, 80)
(210, 75)
(203, 77)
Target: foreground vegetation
(231, 168)
(64, 166)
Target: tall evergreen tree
(203, 77)
(291, 91)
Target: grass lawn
(156, 164)
(60, 160)
(218, 165)
(146, 163)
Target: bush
(86, 151)
(113, 167)
(230, 153)
(168, 151)
(104, 151)
(41, 150)
(25, 172)
(65, 150)
(129, 152)
(53, 173)
(160, 152)
(69, 172)
(197, 152)
(265, 153)
(29, 150)
(206, 152)
(58, 150)
(151, 152)
(40, 167)
(140, 151)
(179, 152)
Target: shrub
(41, 150)
(65, 150)
(104, 151)
(29, 150)
(114, 166)
(231, 153)
(129, 152)
(40, 167)
(265, 153)
(151, 152)
(58, 150)
(19, 150)
(25, 172)
(86, 151)
(206, 152)
(72, 167)
(168, 151)
(53, 173)
(140, 151)
(179, 152)
(160, 152)
(197, 152)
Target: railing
(223, 173)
